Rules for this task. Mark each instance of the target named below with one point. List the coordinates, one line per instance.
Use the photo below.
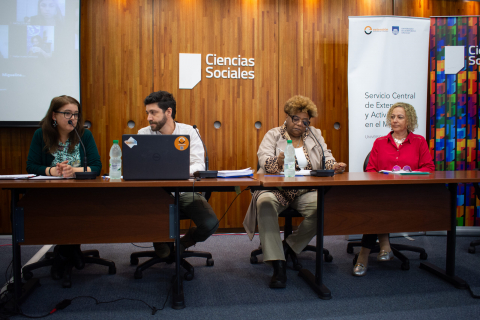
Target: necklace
(399, 141)
(298, 143)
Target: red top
(413, 152)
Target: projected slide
(39, 56)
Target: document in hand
(235, 173)
(404, 172)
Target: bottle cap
(115, 141)
(289, 141)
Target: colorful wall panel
(454, 105)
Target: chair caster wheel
(210, 262)
(138, 274)
(27, 275)
(112, 270)
(188, 276)
(328, 258)
(423, 256)
(349, 249)
(405, 265)
(297, 267)
(253, 259)
(133, 261)
(471, 249)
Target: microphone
(322, 172)
(207, 173)
(85, 175)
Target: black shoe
(279, 278)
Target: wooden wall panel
(130, 49)
(313, 61)
(227, 29)
(428, 8)
(116, 67)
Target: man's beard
(158, 125)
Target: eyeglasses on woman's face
(68, 115)
(298, 120)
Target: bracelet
(49, 171)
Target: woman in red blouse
(400, 149)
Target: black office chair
(473, 244)
(288, 214)
(90, 256)
(154, 259)
(396, 248)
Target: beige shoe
(161, 249)
(359, 270)
(385, 256)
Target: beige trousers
(268, 209)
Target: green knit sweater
(39, 158)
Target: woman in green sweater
(55, 151)
(55, 148)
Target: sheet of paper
(48, 178)
(16, 176)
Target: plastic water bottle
(115, 161)
(289, 162)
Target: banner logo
(454, 59)
(395, 30)
(368, 30)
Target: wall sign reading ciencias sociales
(217, 67)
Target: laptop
(156, 157)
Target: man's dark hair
(164, 100)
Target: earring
(285, 122)
(55, 123)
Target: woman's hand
(339, 167)
(280, 159)
(64, 169)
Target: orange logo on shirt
(181, 143)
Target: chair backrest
(365, 163)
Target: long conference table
(99, 211)
(369, 203)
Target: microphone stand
(207, 173)
(322, 172)
(85, 175)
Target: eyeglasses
(68, 115)
(405, 168)
(297, 120)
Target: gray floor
(236, 289)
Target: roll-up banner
(387, 63)
(454, 104)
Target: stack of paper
(16, 176)
(235, 173)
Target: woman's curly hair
(298, 104)
(412, 121)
